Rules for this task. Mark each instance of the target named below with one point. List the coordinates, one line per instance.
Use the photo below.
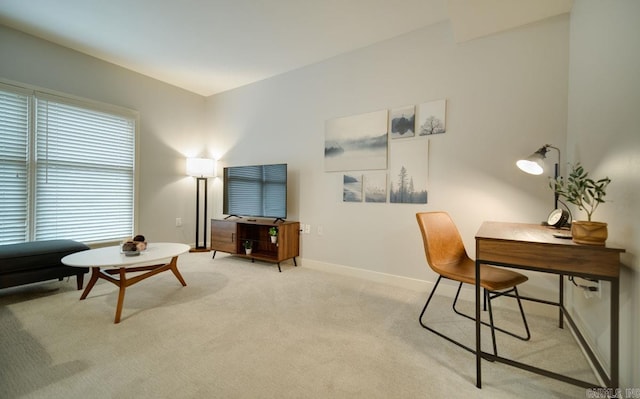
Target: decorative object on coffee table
(130, 248)
(140, 241)
(134, 246)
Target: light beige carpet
(243, 330)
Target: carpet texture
(243, 330)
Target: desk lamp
(201, 169)
(534, 165)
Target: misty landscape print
(375, 187)
(403, 189)
(409, 171)
(403, 122)
(356, 142)
(352, 188)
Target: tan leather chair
(447, 256)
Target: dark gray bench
(35, 261)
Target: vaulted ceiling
(210, 46)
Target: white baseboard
(385, 278)
(448, 290)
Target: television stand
(230, 236)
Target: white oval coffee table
(109, 261)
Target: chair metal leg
(489, 295)
(484, 299)
(493, 328)
(492, 295)
(524, 319)
(437, 332)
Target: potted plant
(586, 193)
(247, 247)
(273, 233)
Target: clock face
(557, 218)
(554, 217)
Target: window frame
(50, 95)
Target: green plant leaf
(580, 190)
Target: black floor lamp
(201, 169)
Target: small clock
(558, 218)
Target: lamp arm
(557, 149)
(556, 173)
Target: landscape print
(375, 187)
(409, 171)
(352, 188)
(402, 122)
(356, 142)
(432, 117)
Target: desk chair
(447, 256)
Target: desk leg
(478, 343)
(561, 301)
(615, 324)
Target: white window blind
(14, 136)
(66, 168)
(84, 173)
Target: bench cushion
(35, 255)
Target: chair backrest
(443, 245)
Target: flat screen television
(255, 191)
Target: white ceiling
(210, 46)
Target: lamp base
(199, 250)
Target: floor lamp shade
(201, 169)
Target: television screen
(257, 190)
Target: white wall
(507, 96)
(603, 134)
(171, 123)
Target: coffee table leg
(174, 269)
(122, 284)
(95, 273)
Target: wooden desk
(533, 247)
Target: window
(67, 169)
(14, 134)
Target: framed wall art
(358, 142)
(409, 171)
(402, 122)
(375, 187)
(432, 117)
(351, 188)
